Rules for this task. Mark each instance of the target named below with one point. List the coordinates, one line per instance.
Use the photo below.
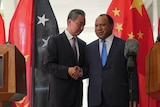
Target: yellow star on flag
(138, 5)
(116, 12)
(20, 103)
(130, 36)
(26, 57)
(119, 27)
(140, 35)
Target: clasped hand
(75, 72)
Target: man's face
(77, 26)
(103, 28)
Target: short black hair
(110, 19)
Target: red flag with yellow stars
(131, 21)
(21, 34)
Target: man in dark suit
(108, 83)
(63, 63)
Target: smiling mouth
(100, 33)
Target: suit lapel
(112, 49)
(68, 46)
(97, 52)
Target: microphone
(130, 52)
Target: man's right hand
(75, 72)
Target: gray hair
(74, 14)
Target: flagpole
(155, 19)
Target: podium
(153, 72)
(12, 74)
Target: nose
(82, 27)
(99, 28)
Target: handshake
(75, 72)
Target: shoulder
(55, 39)
(58, 36)
(81, 41)
(119, 40)
(92, 44)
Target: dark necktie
(74, 47)
(104, 53)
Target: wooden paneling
(153, 72)
(14, 87)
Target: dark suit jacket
(111, 81)
(58, 57)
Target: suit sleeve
(50, 62)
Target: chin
(101, 37)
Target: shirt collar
(69, 36)
(108, 39)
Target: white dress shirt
(109, 41)
(70, 39)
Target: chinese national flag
(2, 31)
(21, 34)
(131, 21)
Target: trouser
(103, 104)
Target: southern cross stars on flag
(43, 20)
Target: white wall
(92, 8)
(7, 7)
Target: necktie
(104, 53)
(74, 47)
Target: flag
(21, 35)
(31, 41)
(131, 21)
(45, 27)
(2, 31)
